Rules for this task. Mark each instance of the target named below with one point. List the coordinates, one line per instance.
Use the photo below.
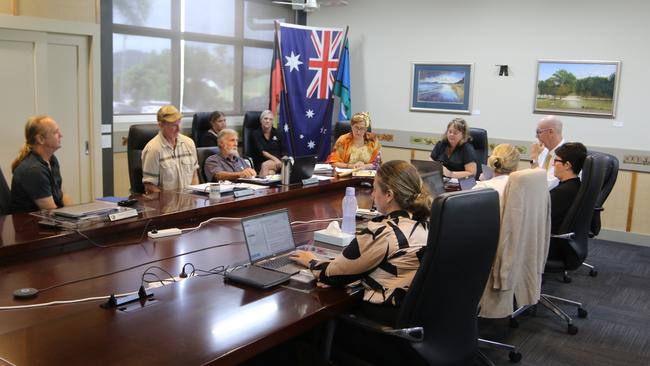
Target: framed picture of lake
(588, 88)
(441, 87)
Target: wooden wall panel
(615, 215)
(75, 10)
(120, 175)
(641, 213)
(391, 153)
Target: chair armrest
(566, 236)
(414, 334)
(599, 209)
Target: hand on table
(303, 257)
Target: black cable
(146, 272)
(135, 266)
(91, 241)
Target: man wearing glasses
(568, 162)
(549, 136)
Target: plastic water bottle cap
(349, 191)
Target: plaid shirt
(166, 167)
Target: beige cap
(168, 113)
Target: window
(200, 55)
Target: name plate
(243, 192)
(308, 181)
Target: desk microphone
(25, 293)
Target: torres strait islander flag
(310, 61)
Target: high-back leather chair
(138, 137)
(436, 323)
(611, 174)
(200, 124)
(5, 195)
(479, 141)
(202, 154)
(572, 242)
(251, 123)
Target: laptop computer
(303, 168)
(467, 183)
(427, 166)
(434, 182)
(85, 209)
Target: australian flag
(310, 59)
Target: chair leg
(546, 301)
(593, 272)
(326, 345)
(483, 358)
(513, 354)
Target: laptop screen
(268, 234)
(434, 183)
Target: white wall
(387, 35)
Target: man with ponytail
(37, 182)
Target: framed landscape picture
(577, 87)
(441, 87)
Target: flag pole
(285, 100)
(330, 105)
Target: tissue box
(339, 239)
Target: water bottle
(349, 211)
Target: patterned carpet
(617, 329)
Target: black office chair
(138, 137)
(5, 195)
(437, 323)
(200, 125)
(572, 243)
(611, 174)
(251, 123)
(479, 140)
(202, 153)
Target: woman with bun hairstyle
(503, 161)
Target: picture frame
(441, 87)
(581, 88)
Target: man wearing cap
(169, 160)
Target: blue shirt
(33, 179)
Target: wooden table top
(197, 320)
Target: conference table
(197, 320)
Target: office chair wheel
(593, 273)
(566, 279)
(514, 323)
(572, 329)
(514, 357)
(582, 313)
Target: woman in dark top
(568, 162)
(454, 151)
(268, 146)
(218, 123)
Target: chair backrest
(479, 141)
(611, 174)
(202, 153)
(343, 127)
(445, 292)
(138, 137)
(5, 195)
(578, 218)
(251, 123)
(200, 124)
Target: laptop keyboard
(278, 262)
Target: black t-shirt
(208, 139)
(462, 154)
(33, 180)
(562, 198)
(272, 146)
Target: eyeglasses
(559, 161)
(541, 131)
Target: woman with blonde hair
(455, 152)
(358, 149)
(268, 147)
(503, 161)
(394, 240)
(37, 182)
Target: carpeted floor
(616, 330)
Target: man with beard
(227, 164)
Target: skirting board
(625, 237)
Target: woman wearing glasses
(454, 152)
(568, 162)
(358, 149)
